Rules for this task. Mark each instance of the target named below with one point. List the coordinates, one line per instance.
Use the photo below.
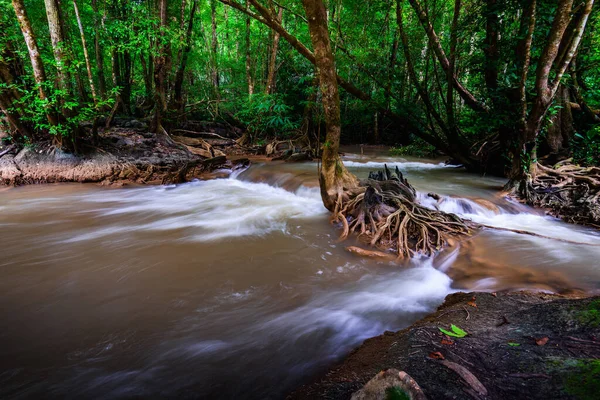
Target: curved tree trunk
(334, 178)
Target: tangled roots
(570, 192)
(385, 211)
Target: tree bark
(248, 56)
(35, 57)
(88, 65)
(333, 176)
(9, 96)
(178, 92)
(57, 37)
(99, 53)
(214, 45)
(161, 62)
(270, 86)
(546, 90)
(492, 54)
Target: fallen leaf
(456, 332)
(472, 304)
(437, 355)
(495, 294)
(447, 342)
(542, 341)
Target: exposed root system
(570, 192)
(384, 211)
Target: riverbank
(522, 345)
(120, 155)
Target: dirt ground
(519, 345)
(121, 155)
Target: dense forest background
(496, 85)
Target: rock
(298, 157)
(383, 383)
(215, 161)
(9, 172)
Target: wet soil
(121, 155)
(520, 345)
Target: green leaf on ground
(456, 332)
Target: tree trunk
(334, 178)
(545, 89)
(248, 56)
(99, 53)
(35, 57)
(270, 86)
(88, 65)
(178, 92)
(434, 40)
(214, 45)
(160, 70)
(492, 54)
(9, 96)
(57, 37)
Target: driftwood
(198, 146)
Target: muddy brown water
(236, 288)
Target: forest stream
(238, 287)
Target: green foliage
(587, 147)
(583, 382)
(396, 393)
(590, 316)
(513, 344)
(418, 148)
(267, 115)
(456, 332)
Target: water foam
(402, 165)
(215, 209)
(519, 221)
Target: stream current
(239, 287)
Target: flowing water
(238, 287)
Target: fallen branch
(202, 134)
(522, 232)
(7, 150)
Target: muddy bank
(519, 345)
(121, 155)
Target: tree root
(569, 191)
(384, 210)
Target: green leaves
(456, 332)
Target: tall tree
(59, 44)
(35, 57)
(161, 66)
(334, 178)
(178, 85)
(272, 67)
(86, 56)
